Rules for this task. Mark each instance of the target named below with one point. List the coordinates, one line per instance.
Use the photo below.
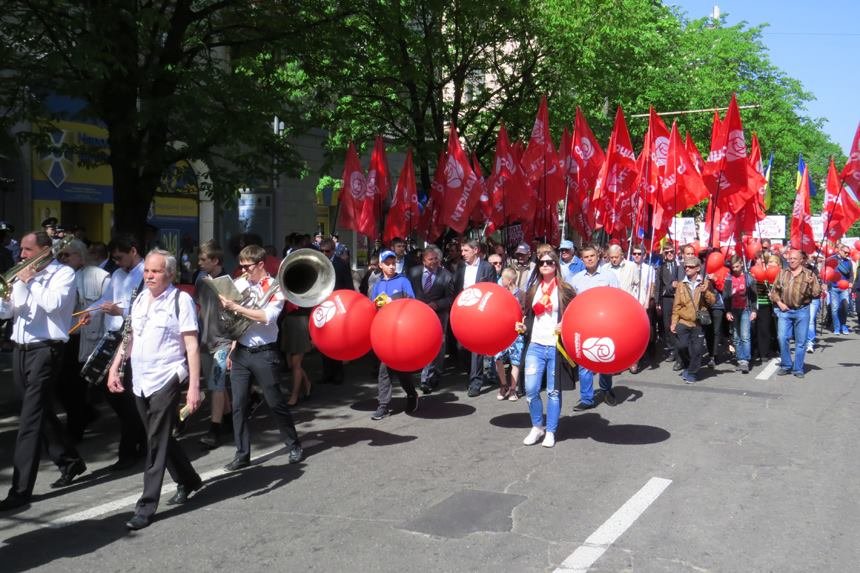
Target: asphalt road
(731, 474)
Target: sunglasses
(248, 266)
(637, 254)
(496, 264)
(691, 266)
(547, 263)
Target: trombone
(38, 263)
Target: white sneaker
(549, 440)
(810, 347)
(534, 436)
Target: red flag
(851, 171)
(483, 211)
(378, 175)
(681, 186)
(694, 154)
(461, 186)
(589, 158)
(431, 226)
(403, 213)
(841, 206)
(801, 218)
(612, 200)
(727, 175)
(754, 210)
(508, 189)
(541, 165)
(353, 192)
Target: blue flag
(801, 165)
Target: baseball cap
(523, 249)
(566, 244)
(385, 254)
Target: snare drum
(97, 365)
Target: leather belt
(260, 348)
(37, 345)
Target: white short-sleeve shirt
(158, 349)
(260, 333)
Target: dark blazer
(665, 276)
(342, 275)
(564, 372)
(486, 274)
(441, 292)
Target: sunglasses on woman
(547, 263)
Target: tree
(172, 80)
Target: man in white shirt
(255, 355)
(41, 303)
(162, 343)
(643, 288)
(473, 270)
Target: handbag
(703, 317)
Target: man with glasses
(593, 276)
(115, 302)
(496, 261)
(692, 294)
(643, 288)
(841, 297)
(256, 356)
(793, 290)
(666, 281)
(473, 270)
(570, 263)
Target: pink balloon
(340, 325)
(406, 334)
(605, 330)
(483, 317)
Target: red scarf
(545, 303)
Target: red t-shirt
(739, 292)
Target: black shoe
(237, 464)
(473, 392)
(411, 403)
(122, 464)
(426, 388)
(295, 455)
(582, 407)
(137, 522)
(712, 363)
(71, 471)
(183, 491)
(14, 502)
(678, 366)
(381, 412)
(609, 397)
(210, 440)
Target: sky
(817, 43)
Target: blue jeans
(540, 359)
(741, 334)
(813, 315)
(792, 323)
(837, 295)
(586, 384)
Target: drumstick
(91, 309)
(79, 324)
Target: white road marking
(613, 528)
(117, 504)
(768, 370)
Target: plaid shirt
(795, 291)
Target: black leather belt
(37, 345)
(260, 348)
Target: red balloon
(605, 330)
(340, 325)
(483, 317)
(716, 261)
(855, 255)
(857, 244)
(843, 285)
(753, 248)
(831, 262)
(406, 334)
(776, 248)
(771, 273)
(829, 275)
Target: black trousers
(714, 333)
(765, 334)
(132, 436)
(263, 368)
(35, 372)
(406, 379)
(72, 391)
(476, 371)
(670, 341)
(691, 347)
(158, 415)
(332, 370)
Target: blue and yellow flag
(767, 177)
(801, 165)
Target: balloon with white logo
(605, 330)
(340, 325)
(483, 318)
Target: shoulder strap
(176, 304)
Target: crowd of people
(114, 313)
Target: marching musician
(162, 343)
(42, 301)
(115, 303)
(90, 282)
(255, 355)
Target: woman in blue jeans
(739, 297)
(544, 304)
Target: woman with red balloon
(544, 303)
(392, 286)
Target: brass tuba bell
(306, 277)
